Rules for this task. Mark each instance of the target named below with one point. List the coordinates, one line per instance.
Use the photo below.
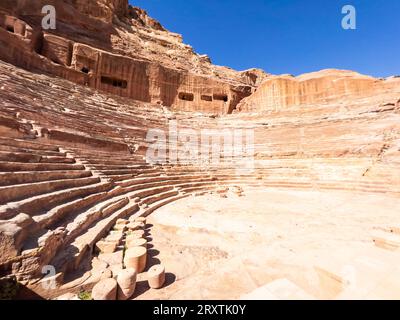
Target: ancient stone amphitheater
(315, 217)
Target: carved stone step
(15, 166)
(14, 178)
(40, 204)
(17, 192)
(70, 258)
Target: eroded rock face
(119, 49)
(12, 234)
(73, 167)
(280, 92)
(105, 290)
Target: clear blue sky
(287, 36)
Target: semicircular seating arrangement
(73, 163)
(101, 127)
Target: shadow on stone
(141, 288)
(170, 278)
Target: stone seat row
(149, 202)
(120, 282)
(48, 220)
(26, 177)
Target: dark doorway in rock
(221, 97)
(186, 96)
(85, 70)
(118, 83)
(10, 29)
(206, 98)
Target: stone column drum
(141, 220)
(105, 290)
(133, 242)
(156, 276)
(126, 280)
(136, 234)
(135, 258)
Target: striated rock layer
(280, 92)
(119, 49)
(73, 165)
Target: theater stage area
(277, 244)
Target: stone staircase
(73, 162)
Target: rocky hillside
(77, 103)
(117, 48)
(282, 92)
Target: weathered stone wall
(278, 92)
(111, 47)
(57, 49)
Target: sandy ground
(224, 248)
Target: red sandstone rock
(279, 92)
(135, 258)
(105, 290)
(156, 276)
(128, 54)
(72, 159)
(12, 235)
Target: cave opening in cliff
(85, 70)
(10, 29)
(38, 44)
(55, 60)
(206, 98)
(221, 97)
(118, 83)
(186, 96)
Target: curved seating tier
(72, 162)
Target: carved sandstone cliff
(280, 92)
(119, 49)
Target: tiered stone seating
(65, 180)
(71, 167)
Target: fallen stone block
(136, 258)
(135, 235)
(106, 246)
(386, 240)
(114, 258)
(141, 220)
(134, 226)
(281, 289)
(67, 296)
(136, 242)
(116, 269)
(98, 264)
(126, 280)
(114, 237)
(120, 227)
(12, 235)
(121, 222)
(105, 290)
